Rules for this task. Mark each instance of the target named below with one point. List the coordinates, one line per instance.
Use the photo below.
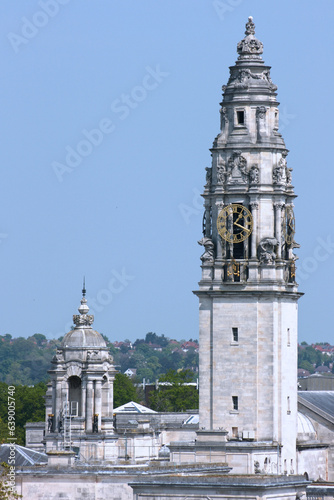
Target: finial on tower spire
(250, 47)
(250, 27)
(83, 319)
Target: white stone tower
(248, 294)
(79, 402)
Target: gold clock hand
(242, 227)
(239, 217)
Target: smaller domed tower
(79, 402)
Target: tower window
(240, 117)
(235, 403)
(74, 386)
(235, 432)
(235, 334)
(288, 337)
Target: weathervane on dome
(83, 319)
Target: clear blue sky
(126, 212)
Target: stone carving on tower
(248, 294)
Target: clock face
(235, 223)
(289, 225)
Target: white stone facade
(248, 294)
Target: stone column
(111, 397)
(260, 122)
(64, 396)
(220, 249)
(223, 120)
(83, 398)
(54, 397)
(89, 406)
(254, 206)
(230, 228)
(278, 225)
(98, 401)
(58, 405)
(207, 220)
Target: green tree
(143, 349)
(153, 338)
(3, 431)
(306, 365)
(29, 407)
(7, 491)
(310, 354)
(191, 359)
(124, 390)
(175, 395)
(39, 338)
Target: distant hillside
(26, 361)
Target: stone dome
(306, 431)
(83, 337)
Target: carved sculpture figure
(83, 319)
(257, 469)
(50, 422)
(208, 255)
(260, 112)
(208, 176)
(223, 117)
(265, 250)
(92, 354)
(242, 77)
(254, 174)
(221, 170)
(266, 76)
(58, 357)
(281, 173)
(237, 169)
(283, 162)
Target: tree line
(24, 363)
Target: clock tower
(248, 294)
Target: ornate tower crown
(83, 319)
(250, 47)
